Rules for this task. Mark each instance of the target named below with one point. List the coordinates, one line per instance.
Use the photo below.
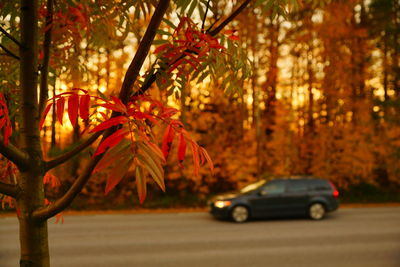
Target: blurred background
(322, 98)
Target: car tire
(316, 211)
(240, 214)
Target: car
(287, 196)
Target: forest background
(318, 94)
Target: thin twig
(205, 15)
(44, 71)
(9, 53)
(10, 36)
(230, 18)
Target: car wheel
(240, 214)
(316, 211)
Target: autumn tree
(128, 117)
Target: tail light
(335, 191)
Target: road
(367, 237)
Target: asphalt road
(349, 237)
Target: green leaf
(192, 7)
(141, 184)
(154, 169)
(164, 32)
(152, 151)
(160, 41)
(169, 23)
(119, 151)
(118, 172)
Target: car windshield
(252, 187)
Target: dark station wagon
(292, 196)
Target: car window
(320, 185)
(252, 186)
(297, 186)
(274, 187)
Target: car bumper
(220, 213)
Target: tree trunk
(33, 234)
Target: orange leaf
(60, 109)
(111, 141)
(73, 105)
(141, 184)
(109, 123)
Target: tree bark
(33, 234)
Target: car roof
(295, 177)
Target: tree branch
(214, 32)
(9, 36)
(44, 71)
(127, 85)
(205, 16)
(9, 189)
(68, 155)
(142, 52)
(12, 153)
(63, 202)
(230, 18)
(9, 53)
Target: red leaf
(141, 115)
(168, 112)
(119, 104)
(111, 141)
(167, 140)
(73, 105)
(208, 158)
(7, 133)
(60, 109)
(181, 148)
(84, 107)
(196, 158)
(175, 65)
(161, 48)
(234, 38)
(2, 122)
(42, 119)
(109, 123)
(229, 32)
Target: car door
(296, 197)
(268, 200)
